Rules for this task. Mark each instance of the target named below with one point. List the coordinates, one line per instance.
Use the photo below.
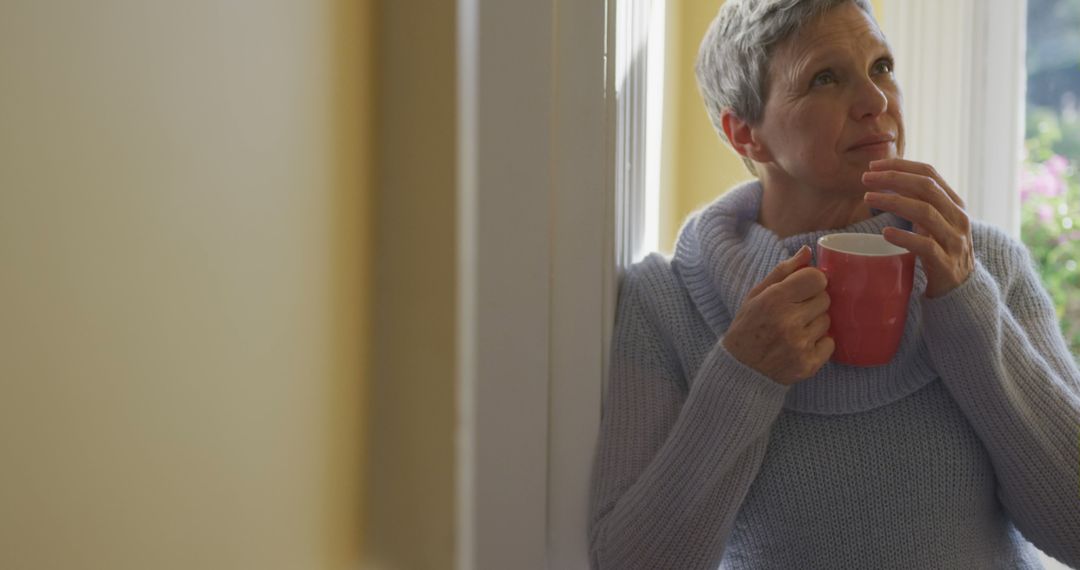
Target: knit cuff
(966, 313)
(736, 385)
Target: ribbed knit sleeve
(676, 455)
(1000, 352)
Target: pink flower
(1066, 238)
(1057, 165)
(1027, 184)
(1046, 213)
(1046, 179)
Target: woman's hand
(781, 328)
(942, 237)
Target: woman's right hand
(782, 328)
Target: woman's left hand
(942, 237)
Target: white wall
(180, 284)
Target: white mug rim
(868, 245)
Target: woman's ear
(742, 137)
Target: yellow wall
(183, 290)
(412, 420)
(697, 166)
(702, 166)
(352, 438)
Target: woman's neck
(789, 210)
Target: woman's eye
(823, 78)
(883, 66)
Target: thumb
(782, 270)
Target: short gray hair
(733, 60)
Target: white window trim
(583, 272)
(961, 66)
(504, 256)
(536, 276)
(639, 97)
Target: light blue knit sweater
(941, 459)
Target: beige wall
(183, 291)
(411, 460)
(352, 438)
(701, 167)
(697, 166)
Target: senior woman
(728, 437)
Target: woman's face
(831, 91)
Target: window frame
(536, 275)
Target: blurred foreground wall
(184, 269)
(412, 418)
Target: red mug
(869, 286)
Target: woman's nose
(870, 100)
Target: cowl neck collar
(722, 252)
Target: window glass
(1050, 177)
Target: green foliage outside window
(1050, 210)
(1050, 183)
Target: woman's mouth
(874, 143)
(874, 147)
